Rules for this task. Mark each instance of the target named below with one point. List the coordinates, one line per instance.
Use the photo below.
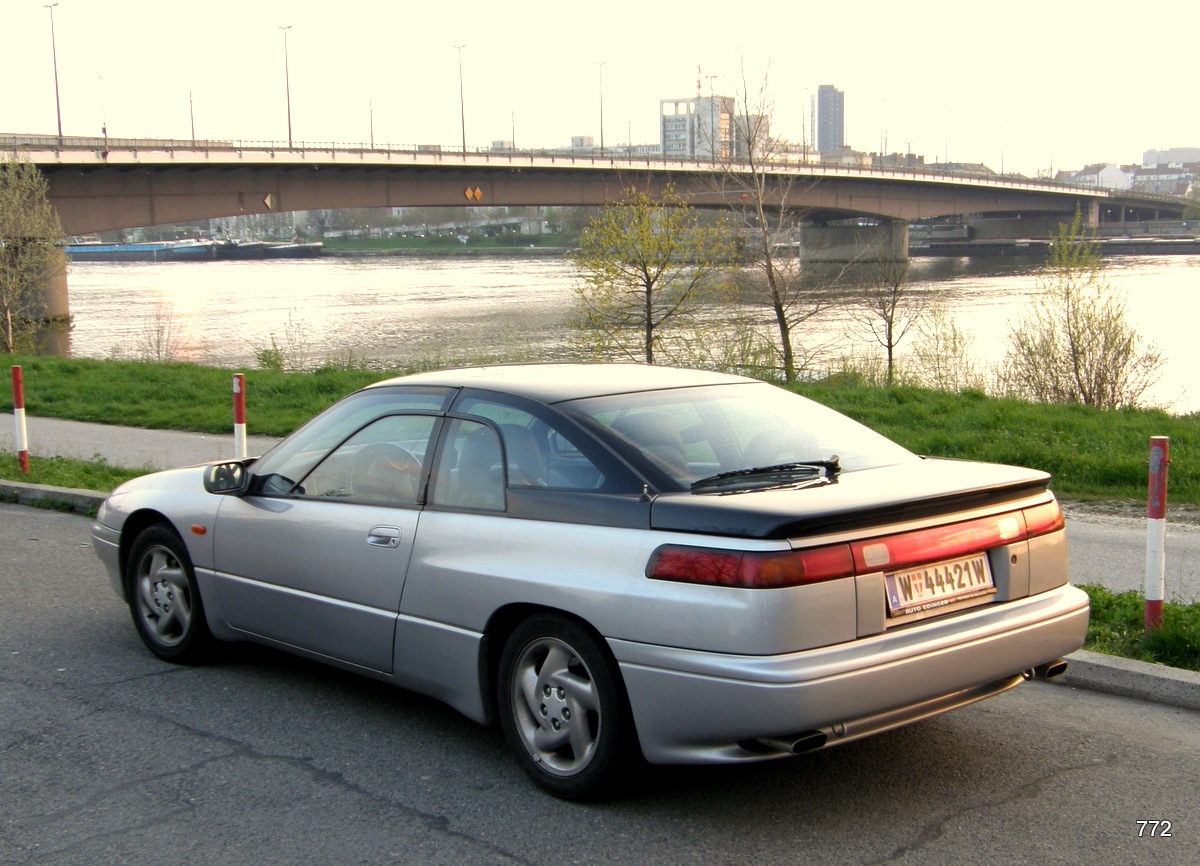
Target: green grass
(1117, 628)
(1094, 455)
(95, 475)
(177, 396)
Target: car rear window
(693, 433)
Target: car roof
(552, 383)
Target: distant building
(1163, 179)
(1103, 176)
(829, 119)
(1171, 156)
(699, 127)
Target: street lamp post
(287, 81)
(601, 66)
(54, 55)
(462, 105)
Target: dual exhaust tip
(1049, 671)
(812, 740)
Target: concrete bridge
(99, 184)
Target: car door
(321, 566)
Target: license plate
(932, 586)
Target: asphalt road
(1110, 550)
(110, 756)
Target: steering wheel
(385, 472)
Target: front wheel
(562, 707)
(164, 600)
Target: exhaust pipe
(796, 744)
(1050, 670)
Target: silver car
(611, 561)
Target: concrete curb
(1114, 675)
(1085, 670)
(45, 496)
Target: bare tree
(942, 353)
(888, 308)
(775, 275)
(28, 257)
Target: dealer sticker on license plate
(938, 585)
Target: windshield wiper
(777, 475)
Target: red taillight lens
(957, 539)
(1043, 519)
(750, 569)
(775, 569)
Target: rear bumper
(692, 706)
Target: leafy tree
(1192, 211)
(28, 257)
(1075, 345)
(647, 264)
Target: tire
(164, 599)
(562, 707)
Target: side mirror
(229, 477)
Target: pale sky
(1018, 85)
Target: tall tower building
(829, 119)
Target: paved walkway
(128, 447)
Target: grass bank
(1117, 628)
(1094, 455)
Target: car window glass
(470, 471)
(692, 433)
(538, 455)
(380, 463)
(294, 458)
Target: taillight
(750, 569)
(774, 569)
(1043, 519)
(956, 539)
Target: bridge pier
(58, 302)
(54, 337)
(887, 241)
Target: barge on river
(188, 250)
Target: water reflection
(397, 311)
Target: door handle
(384, 536)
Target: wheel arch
(134, 525)
(496, 634)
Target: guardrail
(610, 157)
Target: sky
(1020, 86)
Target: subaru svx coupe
(613, 562)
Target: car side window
(470, 468)
(382, 462)
(537, 454)
(279, 469)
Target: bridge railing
(592, 157)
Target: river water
(395, 311)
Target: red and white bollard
(20, 436)
(239, 416)
(1156, 531)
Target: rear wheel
(562, 707)
(164, 600)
